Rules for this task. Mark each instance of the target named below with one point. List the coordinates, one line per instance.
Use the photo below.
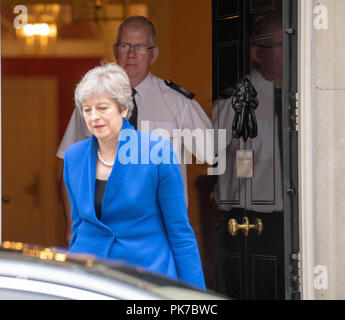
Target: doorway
(37, 101)
(29, 129)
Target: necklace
(107, 164)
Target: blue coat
(144, 216)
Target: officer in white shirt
(160, 104)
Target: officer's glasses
(138, 48)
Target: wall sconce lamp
(42, 27)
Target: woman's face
(102, 117)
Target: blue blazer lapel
(87, 188)
(84, 179)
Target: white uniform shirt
(163, 108)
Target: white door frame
(306, 196)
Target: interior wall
(191, 67)
(67, 71)
(161, 15)
(192, 48)
(184, 36)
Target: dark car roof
(128, 278)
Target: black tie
(134, 116)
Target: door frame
(306, 163)
(291, 150)
(301, 17)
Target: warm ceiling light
(39, 29)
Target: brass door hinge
(295, 277)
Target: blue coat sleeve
(74, 209)
(180, 233)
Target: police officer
(159, 104)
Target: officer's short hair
(109, 79)
(138, 22)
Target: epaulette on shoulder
(179, 89)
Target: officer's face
(136, 64)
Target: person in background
(127, 208)
(158, 104)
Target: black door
(257, 197)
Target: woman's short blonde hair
(107, 79)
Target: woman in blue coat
(125, 186)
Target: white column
(306, 148)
